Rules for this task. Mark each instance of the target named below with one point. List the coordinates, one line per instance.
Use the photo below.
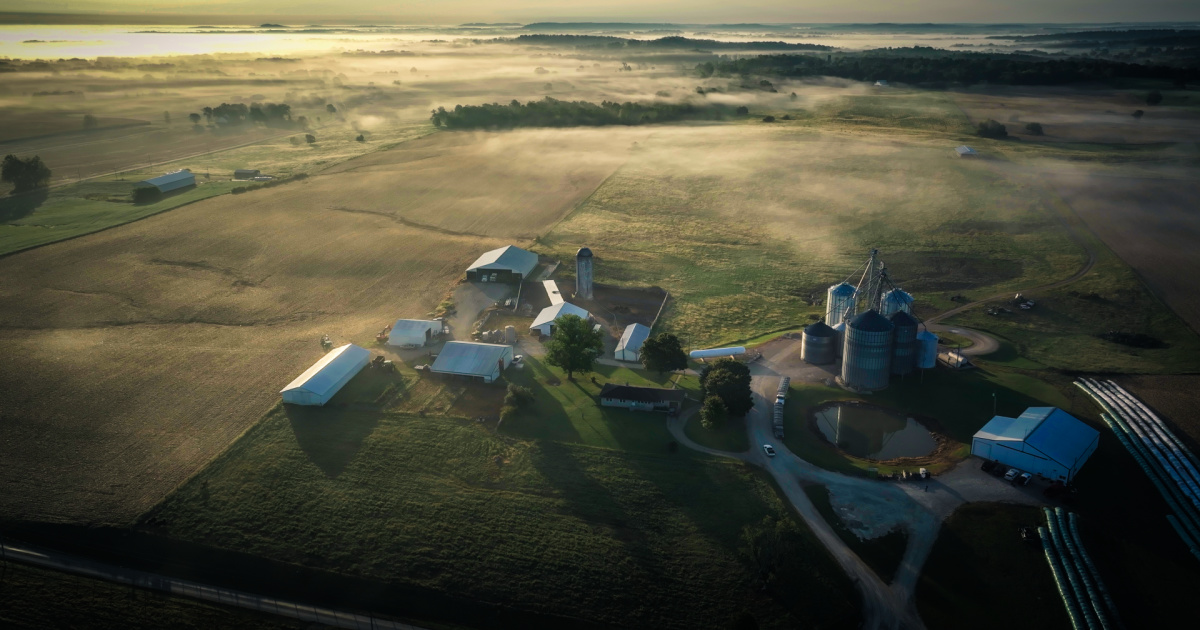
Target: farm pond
(873, 432)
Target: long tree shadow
(330, 437)
(18, 206)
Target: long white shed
(1045, 441)
(321, 381)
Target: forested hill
(550, 112)
(664, 43)
(928, 66)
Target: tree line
(270, 114)
(929, 66)
(671, 42)
(550, 112)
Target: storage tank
(510, 335)
(895, 301)
(840, 332)
(583, 274)
(867, 355)
(839, 303)
(818, 344)
(904, 343)
(927, 348)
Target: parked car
(769, 450)
(1024, 479)
(1011, 474)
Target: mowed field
(137, 354)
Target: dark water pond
(874, 433)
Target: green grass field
(883, 554)
(730, 437)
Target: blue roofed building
(170, 181)
(1045, 441)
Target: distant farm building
(641, 398)
(629, 348)
(484, 361)
(246, 173)
(544, 322)
(881, 83)
(170, 181)
(508, 264)
(413, 332)
(1045, 441)
(966, 151)
(321, 381)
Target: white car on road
(769, 450)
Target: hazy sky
(695, 11)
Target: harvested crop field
(1152, 225)
(139, 353)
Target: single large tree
(730, 381)
(574, 346)
(713, 413)
(663, 353)
(25, 173)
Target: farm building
(507, 264)
(170, 181)
(552, 292)
(246, 173)
(881, 83)
(1045, 441)
(641, 398)
(966, 151)
(321, 381)
(629, 348)
(484, 361)
(413, 332)
(544, 322)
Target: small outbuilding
(641, 398)
(321, 381)
(966, 151)
(629, 348)
(881, 83)
(484, 361)
(543, 324)
(1045, 441)
(413, 332)
(170, 181)
(508, 264)
(246, 173)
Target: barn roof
(329, 370)
(965, 150)
(633, 337)
(507, 257)
(554, 311)
(169, 178)
(469, 357)
(1051, 431)
(410, 328)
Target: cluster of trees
(725, 387)
(992, 129)
(551, 112)
(931, 66)
(270, 114)
(24, 174)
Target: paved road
(140, 579)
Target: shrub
(507, 412)
(1035, 129)
(517, 396)
(309, 138)
(360, 138)
(992, 129)
(742, 111)
(768, 119)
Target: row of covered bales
(872, 345)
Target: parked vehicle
(1024, 479)
(769, 450)
(1011, 474)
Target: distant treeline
(673, 42)
(1132, 34)
(271, 114)
(947, 68)
(550, 112)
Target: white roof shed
(479, 360)
(1045, 441)
(552, 292)
(413, 332)
(965, 151)
(507, 258)
(321, 381)
(629, 348)
(544, 322)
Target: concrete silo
(818, 344)
(927, 348)
(583, 274)
(904, 343)
(895, 301)
(839, 303)
(867, 355)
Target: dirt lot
(137, 354)
(1152, 225)
(1174, 398)
(1070, 115)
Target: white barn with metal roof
(507, 264)
(170, 181)
(1045, 441)
(484, 361)
(321, 381)
(413, 332)
(544, 322)
(629, 348)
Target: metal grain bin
(927, 349)
(818, 344)
(904, 343)
(867, 356)
(895, 301)
(840, 331)
(839, 303)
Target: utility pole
(993, 404)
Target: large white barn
(1045, 441)
(484, 361)
(413, 332)
(507, 264)
(544, 322)
(321, 381)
